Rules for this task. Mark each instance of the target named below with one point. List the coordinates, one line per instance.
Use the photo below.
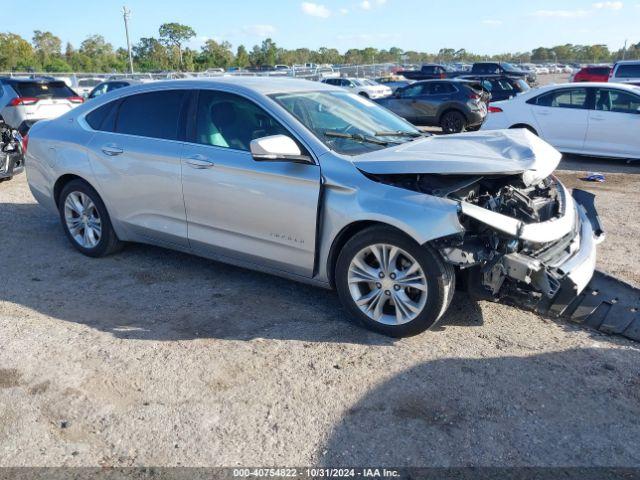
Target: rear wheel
(453, 122)
(391, 284)
(85, 220)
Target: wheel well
(60, 183)
(524, 125)
(343, 237)
(364, 94)
(451, 109)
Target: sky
(487, 27)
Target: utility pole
(624, 50)
(126, 13)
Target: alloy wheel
(387, 284)
(82, 219)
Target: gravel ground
(152, 357)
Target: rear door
(562, 117)
(135, 156)
(408, 104)
(614, 124)
(264, 213)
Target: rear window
(628, 71)
(598, 70)
(43, 90)
(428, 69)
(154, 115)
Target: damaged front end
(527, 240)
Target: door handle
(200, 162)
(544, 112)
(597, 118)
(112, 150)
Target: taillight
(23, 101)
(443, 75)
(495, 110)
(25, 143)
(76, 99)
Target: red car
(595, 73)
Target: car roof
(14, 80)
(261, 85)
(627, 62)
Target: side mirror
(277, 148)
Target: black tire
(453, 122)
(108, 242)
(440, 280)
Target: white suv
(626, 71)
(24, 101)
(362, 86)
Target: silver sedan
(320, 185)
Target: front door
(264, 213)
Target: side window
(230, 121)
(154, 115)
(414, 90)
(103, 118)
(116, 85)
(504, 85)
(616, 101)
(566, 98)
(99, 90)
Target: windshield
(43, 90)
(509, 67)
(327, 114)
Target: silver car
(317, 184)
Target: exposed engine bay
(516, 236)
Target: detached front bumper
(11, 164)
(558, 277)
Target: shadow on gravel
(580, 163)
(150, 293)
(570, 408)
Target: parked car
(394, 82)
(594, 119)
(110, 85)
(24, 101)
(454, 105)
(500, 87)
(626, 71)
(361, 86)
(313, 183)
(84, 86)
(592, 73)
(503, 68)
(428, 72)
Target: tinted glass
(428, 69)
(617, 101)
(413, 90)
(441, 88)
(569, 98)
(99, 90)
(116, 85)
(154, 115)
(96, 119)
(598, 70)
(628, 71)
(43, 90)
(231, 121)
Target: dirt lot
(152, 357)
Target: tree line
(170, 51)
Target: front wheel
(391, 284)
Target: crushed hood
(497, 152)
